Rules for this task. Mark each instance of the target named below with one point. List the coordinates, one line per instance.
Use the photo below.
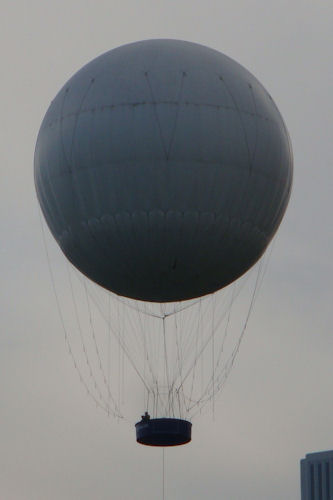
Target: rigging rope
(163, 343)
(62, 321)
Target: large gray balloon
(163, 169)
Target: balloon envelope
(163, 169)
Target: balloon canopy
(163, 169)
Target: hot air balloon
(163, 169)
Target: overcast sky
(277, 404)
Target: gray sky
(277, 404)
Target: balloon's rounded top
(163, 169)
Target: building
(317, 476)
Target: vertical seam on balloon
(282, 198)
(241, 122)
(255, 145)
(119, 225)
(61, 129)
(245, 137)
(62, 143)
(179, 96)
(290, 151)
(77, 115)
(156, 114)
(272, 200)
(256, 122)
(54, 199)
(196, 215)
(96, 197)
(101, 248)
(47, 204)
(69, 162)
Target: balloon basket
(163, 431)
